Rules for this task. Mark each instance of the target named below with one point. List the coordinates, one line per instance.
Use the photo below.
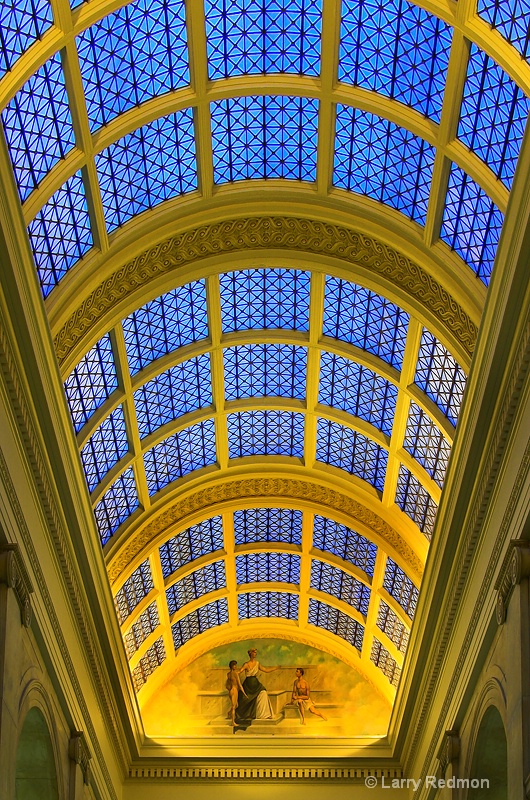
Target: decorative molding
(80, 754)
(260, 773)
(207, 499)
(14, 574)
(449, 750)
(514, 568)
(255, 233)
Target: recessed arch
(35, 770)
(489, 765)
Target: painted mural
(267, 687)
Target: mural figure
(302, 697)
(233, 686)
(253, 700)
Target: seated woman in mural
(253, 701)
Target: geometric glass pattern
(259, 36)
(471, 223)
(265, 433)
(21, 24)
(264, 137)
(510, 18)
(426, 443)
(377, 158)
(365, 319)
(133, 591)
(339, 584)
(199, 540)
(116, 505)
(146, 167)
(183, 388)
(38, 126)
(268, 525)
(91, 382)
(148, 663)
(265, 298)
(105, 447)
(255, 567)
(331, 537)
(138, 52)
(389, 623)
(267, 604)
(388, 665)
(414, 499)
(179, 454)
(349, 450)
(353, 388)
(144, 626)
(400, 587)
(397, 49)
(164, 324)
(439, 376)
(337, 622)
(493, 115)
(60, 234)
(200, 582)
(200, 620)
(259, 370)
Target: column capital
(449, 750)
(80, 754)
(515, 567)
(14, 575)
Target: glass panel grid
(352, 451)
(426, 443)
(389, 623)
(60, 234)
(148, 663)
(146, 167)
(397, 49)
(350, 387)
(202, 581)
(331, 537)
(400, 587)
(264, 137)
(116, 505)
(382, 659)
(21, 23)
(335, 621)
(181, 389)
(180, 454)
(339, 584)
(268, 525)
(510, 18)
(138, 52)
(104, 448)
(439, 376)
(199, 540)
(360, 317)
(38, 126)
(415, 501)
(471, 223)
(265, 298)
(133, 591)
(259, 370)
(165, 324)
(91, 382)
(267, 604)
(258, 37)
(144, 626)
(252, 433)
(279, 567)
(377, 158)
(202, 619)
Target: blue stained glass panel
(493, 115)
(21, 23)
(60, 234)
(38, 126)
(265, 298)
(414, 499)
(375, 157)
(339, 584)
(439, 376)
(199, 540)
(397, 49)
(471, 223)
(133, 591)
(267, 604)
(426, 443)
(146, 167)
(265, 433)
(91, 382)
(204, 618)
(349, 450)
(155, 656)
(144, 626)
(510, 18)
(162, 325)
(331, 537)
(360, 317)
(350, 387)
(116, 505)
(279, 567)
(265, 370)
(268, 525)
(382, 659)
(202, 581)
(181, 389)
(400, 587)
(138, 52)
(180, 454)
(104, 448)
(389, 623)
(264, 137)
(254, 36)
(337, 622)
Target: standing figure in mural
(233, 686)
(253, 700)
(302, 696)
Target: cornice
(290, 234)
(353, 775)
